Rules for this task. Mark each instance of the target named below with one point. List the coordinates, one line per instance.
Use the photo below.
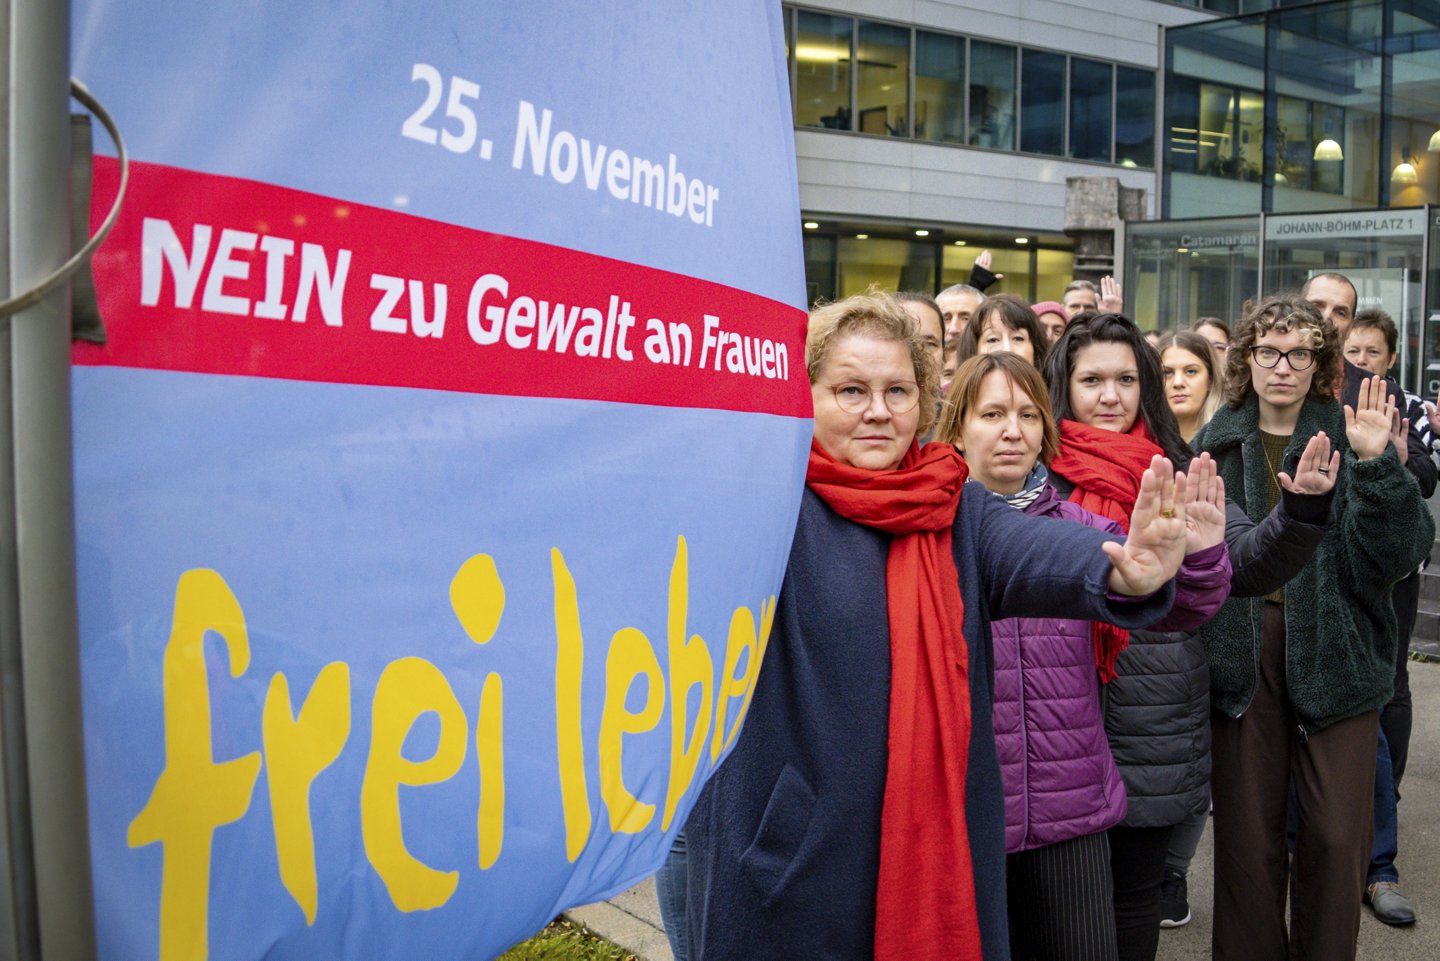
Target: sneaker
(1174, 900)
(1389, 904)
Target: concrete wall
(877, 177)
(874, 177)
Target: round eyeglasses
(1301, 358)
(899, 398)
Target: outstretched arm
(1153, 552)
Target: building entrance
(1181, 270)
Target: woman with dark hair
(1107, 391)
(1062, 789)
(1005, 322)
(860, 815)
(1298, 678)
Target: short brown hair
(879, 316)
(965, 390)
(1379, 320)
(1283, 314)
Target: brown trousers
(1257, 758)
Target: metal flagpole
(43, 510)
(18, 937)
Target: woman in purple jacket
(1062, 788)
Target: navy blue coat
(784, 842)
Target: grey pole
(39, 242)
(18, 937)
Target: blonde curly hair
(882, 317)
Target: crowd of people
(1059, 593)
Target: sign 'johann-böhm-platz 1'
(436, 478)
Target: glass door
(1382, 252)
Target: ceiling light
(1404, 172)
(862, 236)
(922, 233)
(1022, 240)
(1328, 149)
(820, 53)
(959, 243)
(810, 225)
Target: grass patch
(564, 940)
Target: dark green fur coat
(1339, 622)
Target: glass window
(1182, 116)
(1042, 103)
(992, 95)
(883, 80)
(1250, 148)
(885, 263)
(1009, 258)
(822, 75)
(1177, 271)
(1215, 140)
(819, 267)
(1415, 109)
(1294, 150)
(1214, 73)
(939, 87)
(1053, 270)
(1090, 109)
(1134, 117)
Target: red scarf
(1105, 468)
(925, 899)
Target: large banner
(436, 480)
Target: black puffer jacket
(1157, 709)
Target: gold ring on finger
(1167, 512)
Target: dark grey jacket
(1157, 709)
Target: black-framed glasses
(900, 397)
(1301, 358)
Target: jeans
(1387, 838)
(1184, 840)
(670, 891)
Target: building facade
(1300, 139)
(929, 130)
(1204, 151)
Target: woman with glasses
(860, 814)
(1298, 678)
(1107, 392)
(1062, 789)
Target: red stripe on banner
(218, 275)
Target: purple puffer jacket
(1060, 779)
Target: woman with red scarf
(861, 814)
(1108, 394)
